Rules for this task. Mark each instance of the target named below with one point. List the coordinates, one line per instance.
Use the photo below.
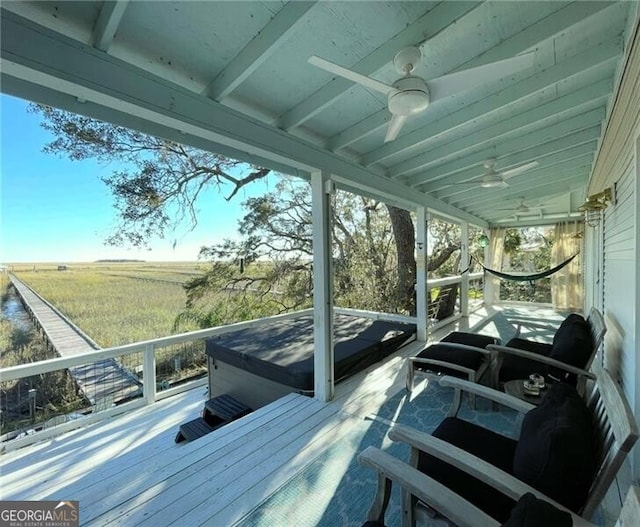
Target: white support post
(421, 275)
(149, 374)
(464, 264)
(488, 289)
(321, 189)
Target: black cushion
(470, 339)
(460, 356)
(567, 324)
(572, 344)
(490, 446)
(514, 367)
(541, 348)
(373, 523)
(555, 451)
(532, 512)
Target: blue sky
(56, 210)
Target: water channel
(14, 312)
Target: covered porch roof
(234, 77)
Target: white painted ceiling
(234, 77)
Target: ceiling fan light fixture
(406, 60)
(411, 97)
(411, 94)
(492, 181)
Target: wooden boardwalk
(99, 381)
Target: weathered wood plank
(180, 466)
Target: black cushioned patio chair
(568, 452)
(529, 511)
(459, 354)
(575, 343)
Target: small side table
(516, 389)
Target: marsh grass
(116, 304)
(56, 392)
(113, 304)
(121, 303)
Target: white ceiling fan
(411, 95)
(497, 179)
(493, 178)
(523, 208)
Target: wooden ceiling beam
(258, 50)
(107, 23)
(512, 133)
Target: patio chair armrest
(429, 491)
(440, 364)
(455, 346)
(488, 393)
(541, 359)
(474, 466)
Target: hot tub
(259, 365)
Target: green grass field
(115, 303)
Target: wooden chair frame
(438, 497)
(615, 432)
(472, 375)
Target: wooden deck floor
(128, 471)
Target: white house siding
(620, 277)
(617, 166)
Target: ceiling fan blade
(465, 79)
(396, 123)
(519, 170)
(351, 75)
(493, 180)
(497, 184)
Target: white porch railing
(443, 283)
(149, 350)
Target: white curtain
(494, 261)
(566, 285)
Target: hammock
(529, 277)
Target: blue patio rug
(334, 490)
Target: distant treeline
(119, 260)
